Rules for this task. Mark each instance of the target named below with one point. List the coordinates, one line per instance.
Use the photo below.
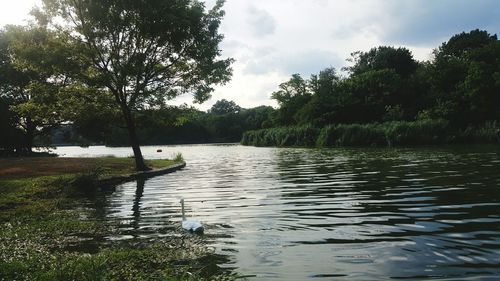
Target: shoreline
(114, 180)
(46, 234)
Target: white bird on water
(190, 225)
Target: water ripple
(298, 214)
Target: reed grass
(396, 133)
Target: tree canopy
(140, 52)
(33, 97)
(224, 106)
(387, 84)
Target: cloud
(16, 12)
(260, 22)
(248, 90)
(429, 22)
(304, 62)
(232, 48)
(272, 39)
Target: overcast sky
(272, 39)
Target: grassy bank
(400, 133)
(42, 235)
(12, 168)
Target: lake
(324, 214)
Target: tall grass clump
(489, 132)
(178, 157)
(421, 132)
(284, 136)
(351, 135)
(397, 133)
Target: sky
(272, 39)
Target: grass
(16, 168)
(284, 136)
(397, 133)
(42, 235)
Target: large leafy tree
(141, 52)
(319, 109)
(33, 98)
(463, 78)
(482, 84)
(384, 57)
(462, 44)
(224, 106)
(291, 96)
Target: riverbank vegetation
(17, 168)
(385, 97)
(47, 233)
(389, 98)
(396, 133)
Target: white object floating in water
(190, 225)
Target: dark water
(329, 214)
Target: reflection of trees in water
(136, 208)
(101, 205)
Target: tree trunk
(134, 142)
(30, 136)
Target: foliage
(351, 135)
(178, 157)
(464, 79)
(291, 96)
(400, 60)
(104, 94)
(11, 137)
(139, 53)
(396, 133)
(422, 132)
(486, 133)
(460, 45)
(33, 101)
(413, 102)
(174, 124)
(284, 136)
(223, 106)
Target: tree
(11, 137)
(460, 45)
(364, 98)
(142, 52)
(463, 76)
(481, 87)
(291, 96)
(258, 117)
(398, 59)
(33, 99)
(319, 108)
(223, 106)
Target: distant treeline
(385, 97)
(224, 122)
(389, 98)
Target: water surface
(325, 214)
